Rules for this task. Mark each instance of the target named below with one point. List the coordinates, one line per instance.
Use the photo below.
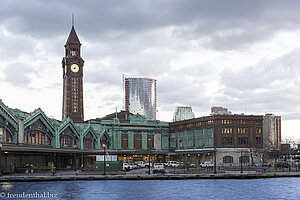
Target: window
(66, 141)
(199, 124)
(258, 140)
(37, 137)
(226, 121)
(181, 126)
(241, 121)
(243, 140)
(258, 131)
(9, 138)
(88, 143)
(150, 142)
(1, 133)
(124, 141)
(209, 122)
(138, 142)
(227, 159)
(227, 140)
(190, 125)
(199, 142)
(73, 52)
(173, 142)
(226, 130)
(244, 159)
(242, 130)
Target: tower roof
(73, 38)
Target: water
(276, 188)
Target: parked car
(206, 164)
(147, 164)
(172, 164)
(159, 167)
(141, 164)
(126, 167)
(132, 166)
(282, 165)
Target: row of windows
(37, 137)
(226, 130)
(240, 130)
(241, 140)
(226, 121)
(210, 122)
(191, 125)
(229, 159)
(138, 142)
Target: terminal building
(132, 135)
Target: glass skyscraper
(140, 96)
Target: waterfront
(276, 188)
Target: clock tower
(72, 65)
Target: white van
(172, 164)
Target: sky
(242, 55)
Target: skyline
(240, 55)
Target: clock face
(65, 69)
(74, 68)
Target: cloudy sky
(243, 55)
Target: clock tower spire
(72, 65)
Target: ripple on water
(276, 188)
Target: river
(275, 188)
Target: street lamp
(149, 172)
(104, 167)
(215, 160)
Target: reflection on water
(279, 188)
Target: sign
(107, 158)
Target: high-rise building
(183, 113)
(220, 111)
(72, 65)
(272, 131)
(140, 96)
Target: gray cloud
(228, 24)
(19, 75)
(144, 38)
(271, 86)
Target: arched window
(66, 141)
(37, 137)
(88, 143)
(244, 159)
(227, 159)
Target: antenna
(72, 19)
